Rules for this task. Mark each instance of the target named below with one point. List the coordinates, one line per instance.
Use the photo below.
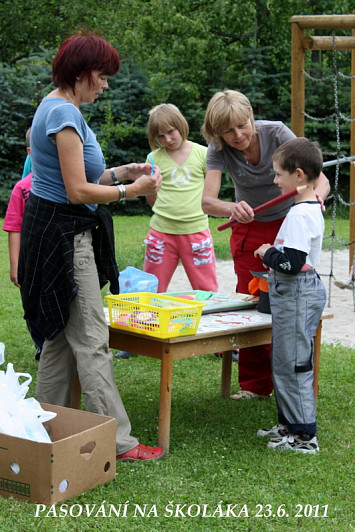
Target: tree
(19, 96)
(181, 51)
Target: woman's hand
(127, 172)
(242, 212)
(136, 170)
(321, 202)
(147, 185)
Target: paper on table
(219, 301)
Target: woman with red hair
(67, 247)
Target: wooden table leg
(316, 360)
(166, 380)
(76, 393)
(226, 373)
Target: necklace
(69, 97)
(253, 156)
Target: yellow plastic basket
(154, 314)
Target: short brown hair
(162, 117)
(224, 108)
(300, 153)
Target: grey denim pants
(297, 303)
(82, 346)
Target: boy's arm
(14, 240)
(290, 261)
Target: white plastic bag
(11, 380)
(2, 353)
(33, 416)
(21, 417)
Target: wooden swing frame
(300, 43)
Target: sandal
(141, 452)
(245, 394)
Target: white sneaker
(292, 442)
(345, 283)
(276, 432)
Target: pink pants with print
(163, 252)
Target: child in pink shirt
(13, 224)
(13, 221)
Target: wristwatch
(113, 176)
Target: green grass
(215, 457)
(131, 231)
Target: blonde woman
(244, 147)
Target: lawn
(218, 475)
(130, 233)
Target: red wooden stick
(268, 204)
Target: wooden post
(297, 81)
(352, 166)
(226, 373)
(166, 382)
(316, 361)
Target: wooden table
(216, 333)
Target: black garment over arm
(290, 261)
(46, 270)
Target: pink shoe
(141, 452)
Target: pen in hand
(150, 159)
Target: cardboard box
(82, 455)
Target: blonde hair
(224, 109)
(28, 134)
(163, 117)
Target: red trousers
(254, 367)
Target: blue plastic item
(134, 280)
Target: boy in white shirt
(297, 298)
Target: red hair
(79, 55)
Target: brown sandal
(245, 394)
